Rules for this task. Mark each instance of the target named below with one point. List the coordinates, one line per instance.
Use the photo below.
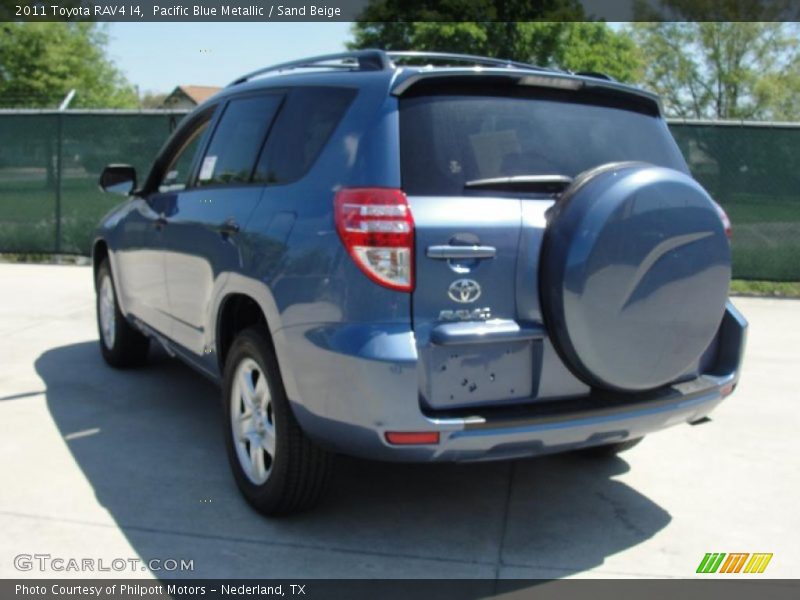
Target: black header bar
(410, 10)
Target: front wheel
(120, 343)
(277, 468)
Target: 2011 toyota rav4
(465, 260)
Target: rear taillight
(376, 227)
(726, 222)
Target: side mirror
(118, 179)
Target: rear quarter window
(448, 140)
(301, 130)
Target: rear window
(448, 140)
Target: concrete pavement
(104, 464)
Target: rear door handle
(229, 227)
(448, 252)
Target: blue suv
(422, 257)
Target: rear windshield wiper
(548, 184)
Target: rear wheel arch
(223, 324)
(236, 313)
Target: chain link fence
(50, 162)
(753, 171)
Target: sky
(156, 57)
(159, 56)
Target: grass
(771, 289)
(744, 209)
(766, 230)
(27, 214)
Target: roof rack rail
(595, 75)
(464, 58)
(379, 60)
(365, 60)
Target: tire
(609, 450)
(121, 345)
(287, 473)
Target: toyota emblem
(464, 291)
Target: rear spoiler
(524, 77)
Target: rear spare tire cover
(634, 275)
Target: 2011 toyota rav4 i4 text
(419, 257)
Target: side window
(238, 137)
(176, 176)
(301, 130)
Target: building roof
(196, 93)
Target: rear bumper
(575, 425)
(355, 391)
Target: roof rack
(464, 58)
(364, 60)
(379, 60)
(595, 75)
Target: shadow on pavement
(150, 443)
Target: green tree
(151, 99)
(592, 46)
(732, 11)
(725, 61)
(548, 33)
(724, 70)
(42, 62)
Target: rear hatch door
(480, 166)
